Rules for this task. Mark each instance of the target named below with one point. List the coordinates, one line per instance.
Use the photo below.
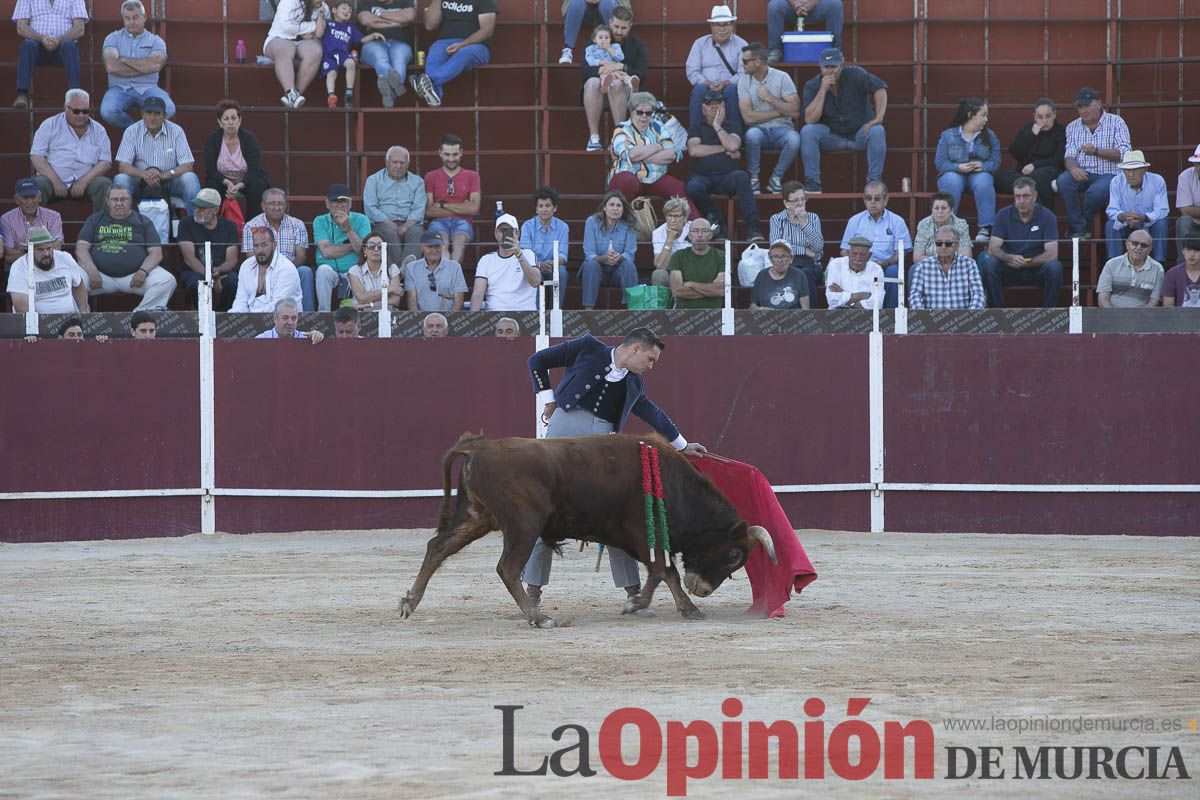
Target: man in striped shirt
(1095, 144)
(154, 158)
(291, 239)
(48, 29)
(948, 279)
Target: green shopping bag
(647, 298)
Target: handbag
(647, 298)
(644, 220)
(232, 211)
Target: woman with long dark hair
(968, 155)
(609, 245)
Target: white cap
(507, 219)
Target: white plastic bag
(754, 260)
(159, 213)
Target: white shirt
(507, 287)
(283, 281)
(658, 238)
(53, 287)
(852, 282)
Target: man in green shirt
(339, 236)
(698, 273)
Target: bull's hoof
(543, 622)
(406, 606)
(629, 607)
(693, 613)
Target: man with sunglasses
(72, 154)
(1134, 280)
(434, 283)
(882, 227)
(452, 196)
(947, 279)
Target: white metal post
(875, 392)
(1075, 313)
(208, 511)
(727, 311)
(385, 310)
(556, 314)
(32, 328)
(901, 304)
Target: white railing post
(1075, 313)
(901, 326)
(208, 511)
(727, 326)
(875, 394)
(556, 314)
(385, 310)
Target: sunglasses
(432, 282)
(872, 197)
(83, 112)
(1139, 244)
(450, 187)
(372, 246)
(945, 244)
(643, 113)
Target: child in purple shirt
(339, 48)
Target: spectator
(883, 228)
(1096, 143)
(1133, 280)
(1023, 249)
(51, 276)
(390, 56)
(801, 229)
(287, 317)
(1137, 200)
(266, 278)
(433, 283)
(452, 195)
(339, 235)
(339, 50)
(603, 50)
(1038, 149)
(782, 15)
(133, 57)
(941, 215)
(837, 116)
(435, 326)
(48, 32)
(345, 323)
(641, 151)
(780, 286)
(714, 64)
(968, 155)
(767, 101)
(576, 14)
(507, 328)
(154, 159)
(72, 154)
(507, 280)
(540, 232)
(948, 279)
(698, 273)
(233, 160)
(366, 279)
(291, 238)
(119, 250)
(16, 223)
(394, 202)
(619, 89)
(609, 246)
(715, 143)
(206, 225)
(854, 280)
(72, 328)
(669, 238)
(295, 35)
(465, 28)
(143, 325)
(1181, 287)
(1187, 199)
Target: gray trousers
(400, 247)
(537, 568)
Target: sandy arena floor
(277, 665)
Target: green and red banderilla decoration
(652, 496)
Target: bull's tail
(461, 448)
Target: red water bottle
(239, 51)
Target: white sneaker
(567, 56)
(293, 99)
(594, 144)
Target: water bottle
(499, 209)
(799, 24)
(239, 51)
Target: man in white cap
(1137, 200)
(48, 275)
(507, 280)
(1187, 199)
(714, 64)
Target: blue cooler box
(805, 48)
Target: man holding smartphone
(506, 280)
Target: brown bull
(587, 488)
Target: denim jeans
(996, 276)
(779, 137)
(781, 16)
(442, 68)
(184, 187)
(388, 55)
(815, 138)
(573, 18)
(1159, 231)
(115, 102)
(981, 185)
(732, 113)
(308, 289)
(32, 53)
(592, 274)
(1095, 199)
(190, 279)
(448, 226)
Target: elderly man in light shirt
(72, 154)
(1137, 200)
(714, 64)
(287, 317)
(46, 279)
(394, 200)
(1133, 280)
(133, 58)
(854, 280)
(266, 277)
(154, 158)
(1187, 199)
(48, 31)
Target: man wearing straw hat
(1137, 200)
(47, 275)
(600, 387)
(1187, 199)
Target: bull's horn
(764, 538)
